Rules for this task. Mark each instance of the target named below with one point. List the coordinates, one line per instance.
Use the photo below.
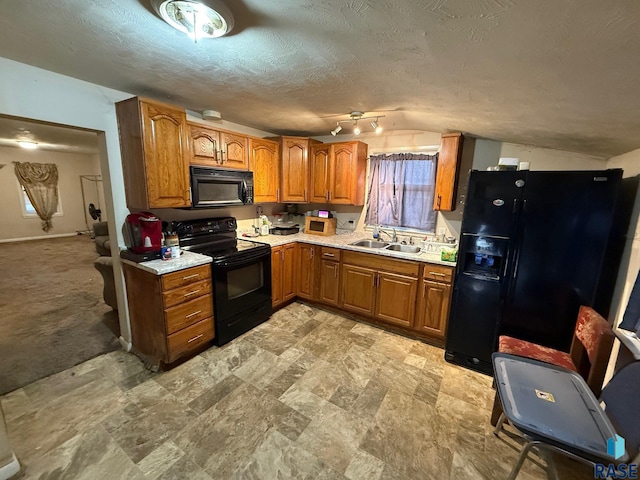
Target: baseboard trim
(126, 345)
(10, 469)
(41, 237)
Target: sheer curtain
(401, 190)
(40, 181)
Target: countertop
(190, 259)
(161, 267)
(343, 241)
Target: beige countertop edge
(162, 267)
(343, 241)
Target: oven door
(241, 285)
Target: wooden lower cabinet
(358, 289)
(434, 301)
(171, 315)
(306, 271)
(395, 299)
(283, 274)
(329, 282)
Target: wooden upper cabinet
(338, 173)
(295, 169)
(319, 173)
(235, 150)
(205, 146)
(155, 154)
(448, 171)
(216, 148)
(264, 161)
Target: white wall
(70, 167)
(488, 152)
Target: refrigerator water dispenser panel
(483, 256)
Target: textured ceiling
(48, 136)
(558, 74)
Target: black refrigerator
(534, 246)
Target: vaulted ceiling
(558, 74)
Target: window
(401, 190)
(27, 208)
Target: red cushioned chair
(589, 354)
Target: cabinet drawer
(188, 313)
(184, 277)
(438, 273)
(379, 262)
(328, 253)
(186, 293)
(189, 338)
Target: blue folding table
(552, 407)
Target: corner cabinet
(217, 148)
(172, 314)
(448, 171)
(264, 161)
(155, 153)
(337, 173)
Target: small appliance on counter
(284, 229)
(143, 236)
(320, 226)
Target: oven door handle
(244, 260)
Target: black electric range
(240, 272)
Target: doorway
(51, 294)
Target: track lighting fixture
(355, 117)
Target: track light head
(335, 131)
(376, 127)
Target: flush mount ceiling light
(198, 19)
(355, 117)
(28, 144)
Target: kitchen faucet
(394, 238)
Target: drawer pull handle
(437, 274)
(328, 254)
(191, 276)
(191, 293)
(193, 314)
(195, 338)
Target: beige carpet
(53, 315)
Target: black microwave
(215, 187)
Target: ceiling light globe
(356, 130)
(27, 144)
(379, 130)
(198, 19)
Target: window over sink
(401, 190)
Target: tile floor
(306, 395)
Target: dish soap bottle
(264, 225)
(376, 232)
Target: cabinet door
(235, 151)
(358, 289)
(295, 170)
(264, 163)
(396, 299)
(205, 146)
(329, 282)
(319, 173)
(306, 271)
(447, 171)
(166, 151)
(276, 276)
(288, 271)
(341, 170)
(433, 308)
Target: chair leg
(497, 410)
(521, 459)
(499, 424)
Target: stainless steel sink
(369, 244)
(403, 248)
